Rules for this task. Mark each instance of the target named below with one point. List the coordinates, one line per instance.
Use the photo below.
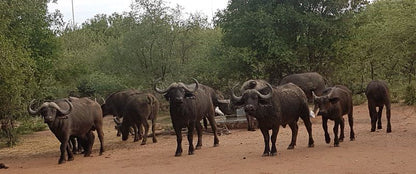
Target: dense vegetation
(349, 42)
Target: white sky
(87, 9)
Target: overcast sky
(87, 9)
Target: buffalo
(378, 95)
(188, 104)
(281, 106)
(138, 110)
(334, 103)
(262, 87)
(114, 105)
(309, 82)
(72, 117)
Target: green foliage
(286, 37)
(410, 94)
(380, 46)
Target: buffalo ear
(166, 96)
(334, 100)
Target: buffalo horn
(64, 112)
(234, 97)
(191, 90)
(267, 96)
(34, 112)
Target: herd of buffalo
(73, 120)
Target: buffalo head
(324, 103)
(176, 92)
(252, 99)
(50, 110)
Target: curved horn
(314, 95)
(234, 97)
(34, 112)
(267, 96)
(330, 93)
(117, 121)
(195, 88)
(64, 112)
(159, 90)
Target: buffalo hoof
(373, 130)
(352, 138)
(190, 153)
(341, 140)
(198, 147)
(70, 158)
(61, 161)
(251, 129)
(273, 154)
(266, 154)
(311, 145)
(380, 127)
(87, 154)
(327, 140)
(178, 153)
(336, 145)
(388, 130)
(143, 143)
(291, 147)
(216, 145)
(154, 140)
(135, 140)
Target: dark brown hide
(308, 82)
(139, 109)
(188, 104)
(378, 95)
(333, 105)
(259, 85)
(286, 104)
(86, 115)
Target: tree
(286, 36)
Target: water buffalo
(114, 105)
(378, 95)
(334, 104)
(281, 106)
(188, 105)
(262, 87)
(138, 110)
(72, 117)
(309, 82)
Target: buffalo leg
(342, 126)
(325, 127)
(88, 143)
(379, 113)
(266, 138)
(178, 133)
(191, 128)
(373, 113)
(294, 127)
(100, 134)
(308, 125)
(214, 129)
(153, 130)
(351, 123)
(70, 154)
(336, 127)
(199, 133)
(275, 131)
(388, 114)
(63, 148)
(204, 120)
(250, 123)
(137, 132)
(146, 130)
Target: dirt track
(239, 152)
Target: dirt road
(239, 152)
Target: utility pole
(73, 18)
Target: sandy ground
(239, 152)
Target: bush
(410, 94)
(358, 99)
